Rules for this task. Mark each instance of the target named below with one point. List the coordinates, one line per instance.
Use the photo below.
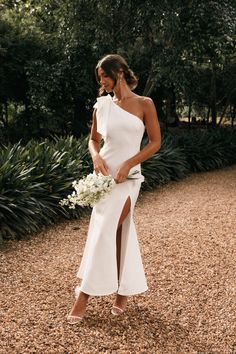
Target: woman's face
(105, 81)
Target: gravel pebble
(186, 231)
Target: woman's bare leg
(121, 300)
(118, 248)
(79, 307)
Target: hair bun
(112, 64)
(131, 78)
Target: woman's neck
(122, 92)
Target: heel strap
(116, 307)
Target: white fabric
(122, 133)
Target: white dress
(122, 133)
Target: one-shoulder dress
(122, 134)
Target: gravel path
(187, 238)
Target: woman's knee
(125, 211)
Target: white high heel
(115, 310)
(71, 318)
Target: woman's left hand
(122, 172)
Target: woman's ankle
(80, 305)
(121, 296)
(120, 300)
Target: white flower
(89, 190)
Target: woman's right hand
(100, 165)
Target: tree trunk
(189, 110)
(150, 85)
(151, 81)
(223, 113)
(158, 100)
(233, 115)
(171, 115)
(208, 114)
(213, 95)
(79, 123)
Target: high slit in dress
(122, 133)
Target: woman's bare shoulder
(144, 99)
(145, 102)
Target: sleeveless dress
(122, 133)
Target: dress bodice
(121, 131)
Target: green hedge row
(195, 151)
(33, 178)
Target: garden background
(184, 55)
(183, 52)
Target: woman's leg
(121, 300)
(79, 307)
(118, 248)
(124, 214)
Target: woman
(111, 260)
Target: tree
(180, 49)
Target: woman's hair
(112, 64)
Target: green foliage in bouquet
(35, 177)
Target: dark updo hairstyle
(112, 64)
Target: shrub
(169, 163)
(34, 177)
(208, 150)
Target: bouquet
(90, 189)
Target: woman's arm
(99, 164)
(154, 144)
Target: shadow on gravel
(148, 327)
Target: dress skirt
(98, 268)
